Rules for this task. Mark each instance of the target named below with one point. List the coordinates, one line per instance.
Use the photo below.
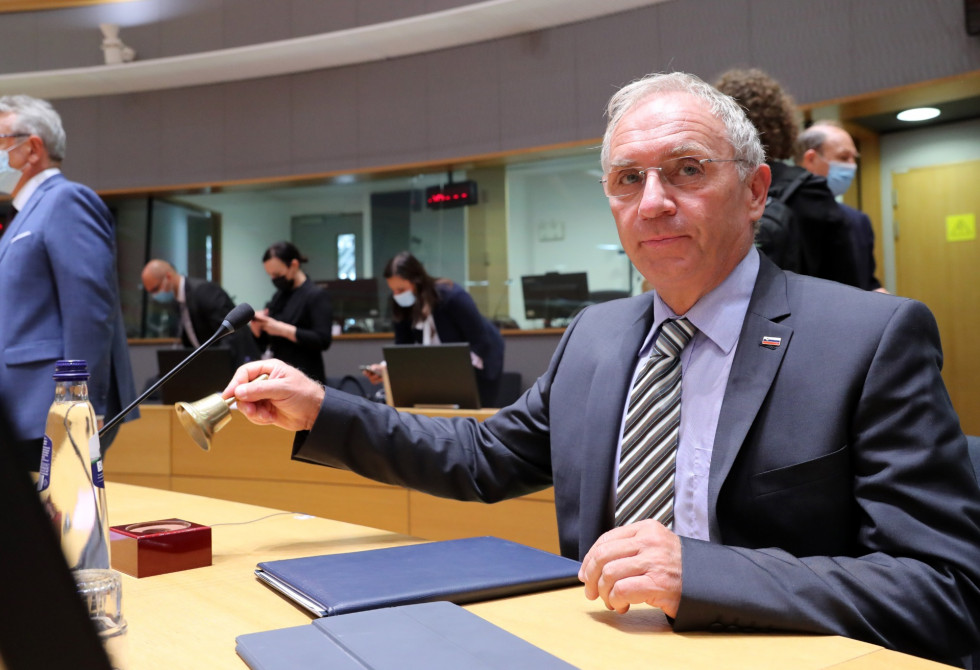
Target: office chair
(973, 442)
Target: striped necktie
(649, 450)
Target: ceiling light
(918, 114)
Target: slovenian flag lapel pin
(771, 342)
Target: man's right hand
(288, 398)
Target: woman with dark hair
(296, 323)
(428, 310)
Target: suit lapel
(607, 397)
(22, 217)
(753, 370)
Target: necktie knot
(673, 337)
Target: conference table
(189, 619)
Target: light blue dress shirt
(705, 364)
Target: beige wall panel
(530, 522)
(141, 446)
(243, 450)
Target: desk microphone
(235, 319)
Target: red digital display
(457, 194)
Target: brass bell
(204, 418)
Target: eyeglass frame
(643, 173)
(4, 136)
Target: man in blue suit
(59, 295)
(822, 481)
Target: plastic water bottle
(71, 484)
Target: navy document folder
(460, 571)
(429, 636)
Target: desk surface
(190, 619)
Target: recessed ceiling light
(918, 114)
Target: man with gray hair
(59, 294)
(827, 150)
(742, 447)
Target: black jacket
(308, 308)
(827, 247)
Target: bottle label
(97, 477)
(44, 479)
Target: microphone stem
(221, 332)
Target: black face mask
(282, 283)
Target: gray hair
(813, 138)
(36, 117)
(742, 135)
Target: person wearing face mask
(59, 293)
(827, 150)
(427, 310)
(296, 324)
(827, 250)
(201, 306)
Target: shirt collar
(32, 185)
(718, 314)
(180, 294)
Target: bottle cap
(67, 371)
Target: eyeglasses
(685, 171)
(13, 135)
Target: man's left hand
(638, 563)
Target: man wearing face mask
(827, 150)
(826, 248)
(296, 325)
(59, 293)
(202, 305)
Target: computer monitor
(353, 298)
(439, 375)
(208, 373)
(554, 296)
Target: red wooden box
(156, 547)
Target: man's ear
(39, 153)
(758, 184)
(809, 159)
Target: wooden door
(937, 261)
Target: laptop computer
(208, 373)
(436, 376)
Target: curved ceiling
(477, 22)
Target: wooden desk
(190, 619)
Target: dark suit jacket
(828, 252)
(59, 298)
(841, 496)
(308, 308)
(208, 305)
(863, 241)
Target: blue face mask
(840, 176)
(9, 177)
(404, 299)
(163, 297)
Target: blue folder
(460, 571)
(428, 636)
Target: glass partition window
(542, 218)
(559, 224)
